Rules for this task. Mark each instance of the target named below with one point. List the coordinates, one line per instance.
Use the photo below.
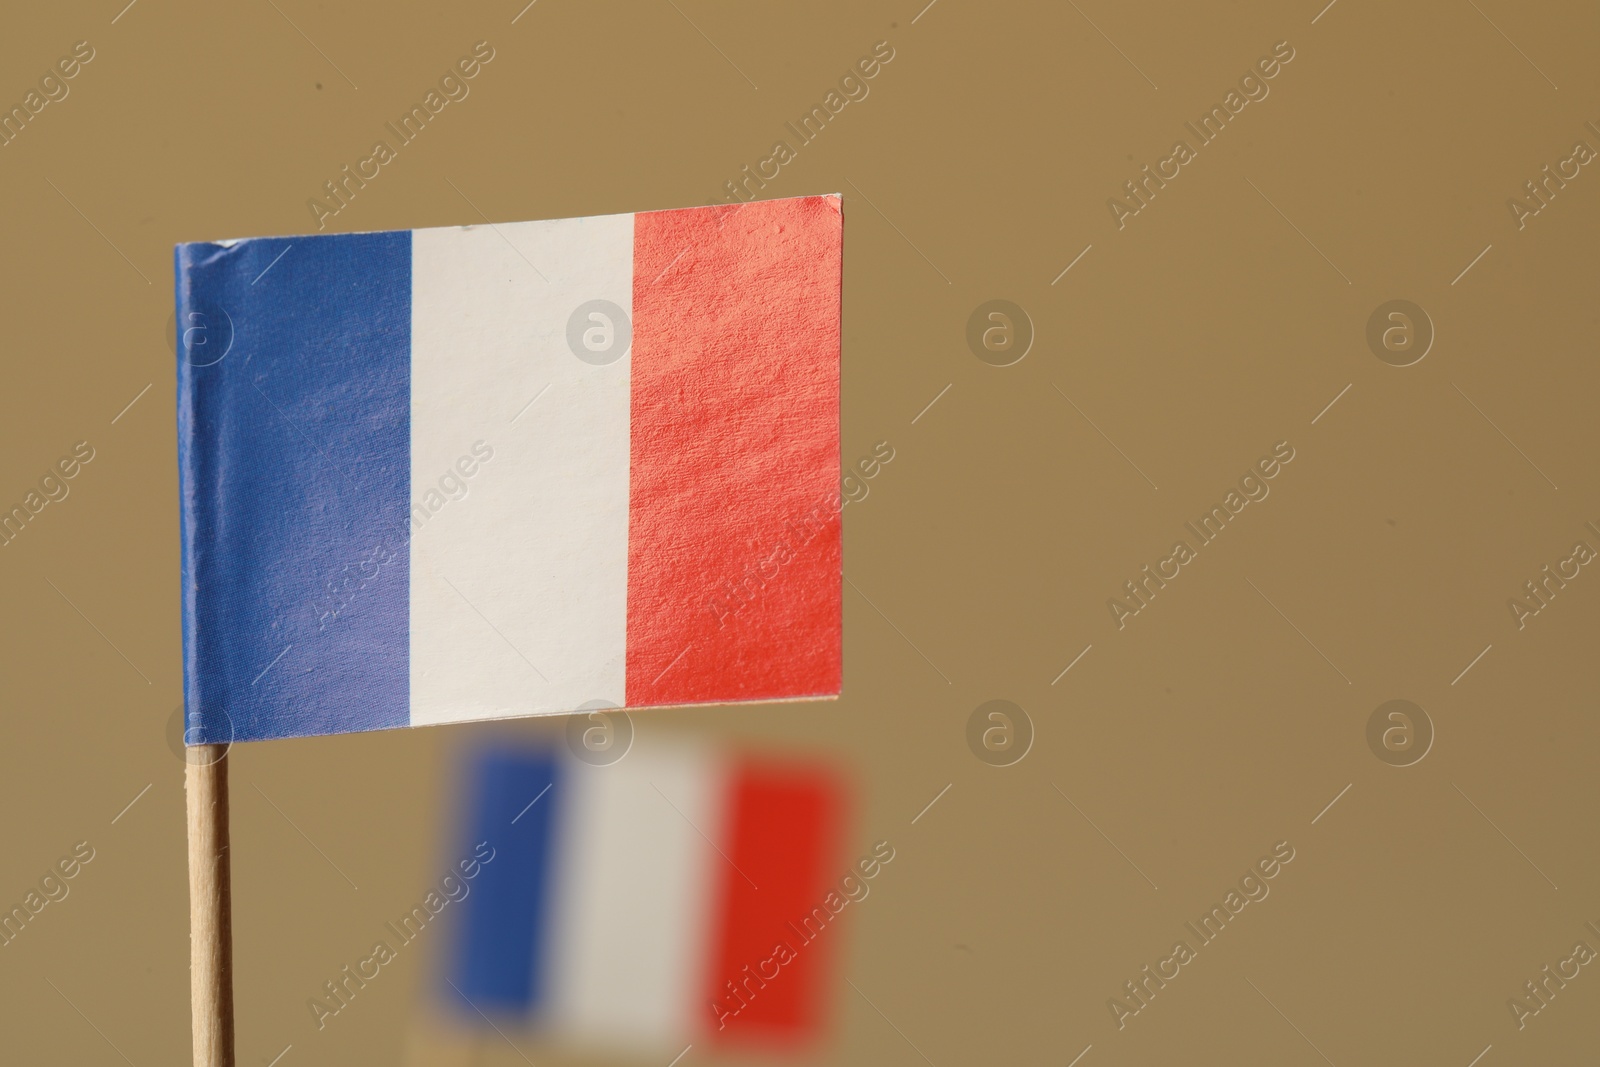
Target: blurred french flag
(673, 897)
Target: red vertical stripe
(734, 555)
(774, 930)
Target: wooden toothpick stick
(210, 906)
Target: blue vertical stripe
(497, 961)
(294, 450)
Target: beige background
(1220, 320)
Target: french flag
(678, 896)
(476, 472)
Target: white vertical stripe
(520, 569)
(634, 898)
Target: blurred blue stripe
(503, 935)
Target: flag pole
(210, 906)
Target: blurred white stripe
(633, 898)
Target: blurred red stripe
(773, 933)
